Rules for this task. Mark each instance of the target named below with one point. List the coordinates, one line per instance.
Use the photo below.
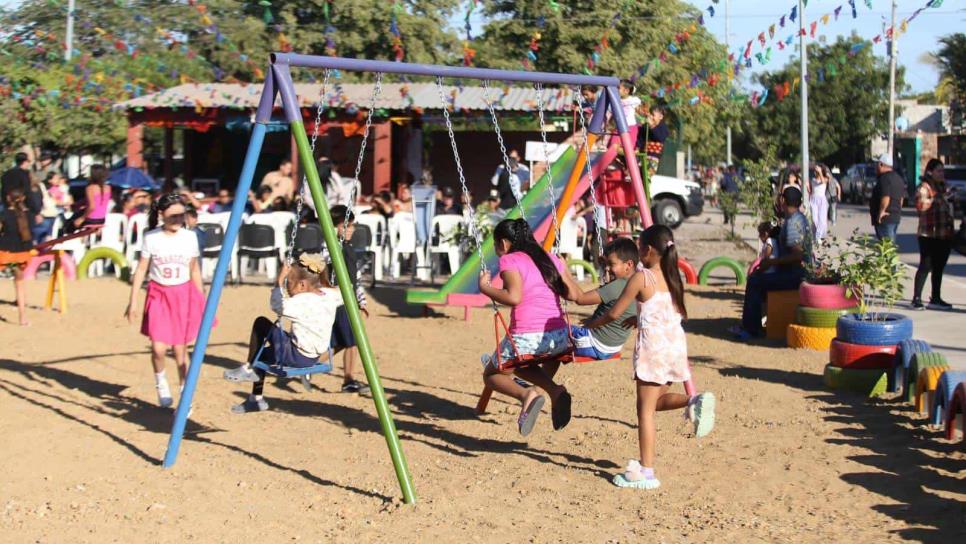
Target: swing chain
(350, 215)
(590, 175)
(474, 229)
(299, 198)
(546, 156)
(517, 194)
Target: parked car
(956, 181)
(857, 183)
(675, 199)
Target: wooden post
(57, 283)
(135, 145)
(382, 156)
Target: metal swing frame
(278, 83)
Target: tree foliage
(569, 35)
(847, 107)
(951, 59)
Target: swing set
(278, 83)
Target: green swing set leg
(352, 308)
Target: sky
(750, 17)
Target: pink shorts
(172, 313)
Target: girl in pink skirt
(661, 352)
(174, 302)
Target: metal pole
(727, 49)
(804, 78)
(69, 38)
(893, 53)
(290, 104)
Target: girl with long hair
(15, 243)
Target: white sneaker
(164, 394)
(700, 411)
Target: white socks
(164, 390)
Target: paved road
(945, 331)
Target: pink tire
(66, 262)
(826, 297)
(690, 274)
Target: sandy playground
(788, 461)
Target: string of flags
(399, 52)
(468, 52)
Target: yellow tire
(813, 338)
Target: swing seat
(565, 358)
(293, 371)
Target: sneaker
(939, 304)
(701, 409)
(243, 373)
(164, 394)
(918, 305)
(354, 386)
(250, 405)
(636, 477)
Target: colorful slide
(462, 288)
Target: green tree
(951, 59)
(848, 105)
(757, 193)
(570, 33)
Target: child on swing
(175, 299)
(607, 341)
(661, 353)
(533, 283)
(305, 297)
(16, 241)
(342, 336)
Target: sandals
(528, 418)
(560, 413)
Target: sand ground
(789, 460)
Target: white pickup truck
(673, 200)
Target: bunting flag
(468, 52)
(399, 52)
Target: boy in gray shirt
(621, 257)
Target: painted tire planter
(719, 262)
(588, 268)
(868, 382)
(820, 317)
(904, 352)
(889, 330)
(957, 406)
(846, 355)
(926, 386)
(98, 253)
(813, 338)
(690, 274)
(921, 361)
(826, 297)
(944, 393)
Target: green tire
(589, 268)
(867, 382)
(819, 317)
(99, 253)
(718, 262)
(916, 365)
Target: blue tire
(904, 352)
(889, 330)
(944, 393)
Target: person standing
(834, 192)
(17, 178)
(818, 202)
(729, 185)
(98, 196)
(935, 234)
(510, 184)
(885, 207)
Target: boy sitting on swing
(305, 297)
(602, 343)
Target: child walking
(174, 301)
(15, 243)
(533, 283)
(661, 353)
(304, 296)
(606, 342)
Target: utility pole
(727, 51)
(69, 39)
(893, 53)
(804, 78)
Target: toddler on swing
(305, 297)
(533, 282)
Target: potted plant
(872, 273)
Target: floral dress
(661, 351)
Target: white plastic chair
(402, 236)
(111, 236)
(134, 236)
(379, 241)
(280, 222)
(571, 245)
(444, 227)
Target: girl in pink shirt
(533, 283)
